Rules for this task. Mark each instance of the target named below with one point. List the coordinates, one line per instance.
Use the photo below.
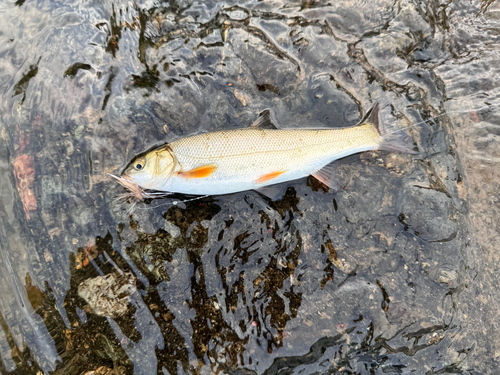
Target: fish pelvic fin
(200, 172)
(269, 176)
(392, 137)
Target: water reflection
(211, 299)
(224, 284)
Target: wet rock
(433, 218)
(108, 295)
(25, 174)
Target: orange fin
(199, 172)
(269, 176)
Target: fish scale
(248, 141)
(243, 156)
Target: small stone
(242, 97)
(108, 295)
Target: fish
(254, 158)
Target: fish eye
(139, 164)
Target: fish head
(151, 169)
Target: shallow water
(393, 273)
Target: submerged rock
(108, 295)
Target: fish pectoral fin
(269, 176)
(326, 175)
(265, 121)
(200, 172)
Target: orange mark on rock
(24, 140)
(199, 172)
(24, 173)
(84, 256)
(269, 176)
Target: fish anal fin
(269, 176)
(326, 176)
(200, 172)
(265, 121)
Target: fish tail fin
(392, 137)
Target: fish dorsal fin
(265, 121)
(372, 116)
(326, 175)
